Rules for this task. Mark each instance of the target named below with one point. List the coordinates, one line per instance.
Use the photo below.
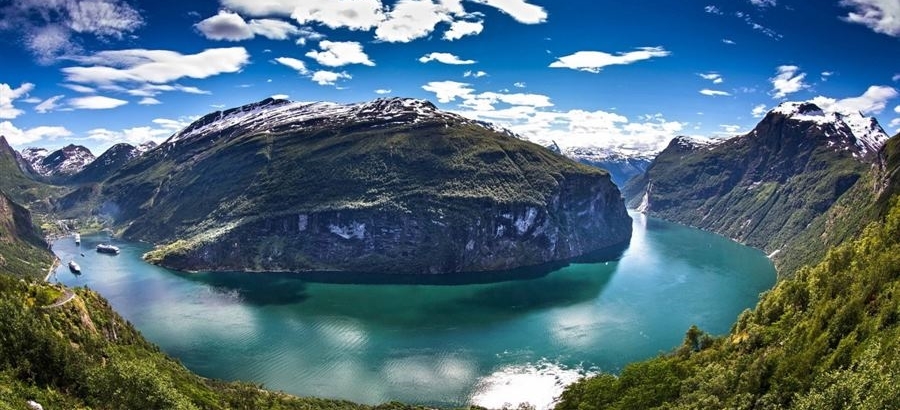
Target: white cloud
(728, 41)
(445, 58)
(382, 91)
(882, 16)
(152, 90)
(261, 8)
(305, 34)
(519, 84)
(273, 29)
(149, 101)
(787, 80)
(158, 131)
(48, 105)
(155, 66)
(763, 3)
(896, 77)
(475, 74)
(51, 29)
(714, 93)
(520, 10)
(873, 101)
(730, 129)
(716, 78)
(340, 53)
(16, 136)
(759, 111)
(461, 28)
(80, 88)
(225, 26)
(95, 102)
(323, 77)
(281, 97)
(8, 95)
(351, 14)
(294, 63)
(897, 109)
(409, 20)
(594, 61)
(448, 91)
(895, 124)
(712, 10)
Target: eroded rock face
(584, 216)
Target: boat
(110, 249)
(74, 267)
(77, 239)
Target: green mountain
(116, 157)
(392, 185)
(770, 187)
(827, 338)
(23, 251)
(18, 184)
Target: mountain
(16, 180)
(110, 161)
(392, 185)
(64, 162)
(622, 165)
(766, 187)
(23, 251)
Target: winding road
(68, 295)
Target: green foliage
(23, 251)
(827, 338)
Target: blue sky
(584, 73)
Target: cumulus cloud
(323, 77)
(873, 101)
(95, 102)
(475, 74)
(759, 111)
(519, 84)
(340, 53)
(882, 16)
(788, 80)
(410, 20)
(149, 101)
(50, 29)
(8, 95)
(448, 91)
(714, 93)
(594, 61)
(140, 66)
(231, 27)
(48, 105)
(350, 14)
(16, 136)
(461, 28)
(445, 58)
(294, 63)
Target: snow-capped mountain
(65, 161)
(621, 164)
(845, 129)
(111, 161)
(276, 115)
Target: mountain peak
(862, 134)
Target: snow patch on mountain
(68, 160)
(275, 115)
(865, 131)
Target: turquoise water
(489, 344)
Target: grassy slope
(19, 186)
(23, 251)
(85, 355)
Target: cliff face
(23, 251)
(772, 187)
(392, 186)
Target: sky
(624, 75)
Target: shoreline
(53, 267)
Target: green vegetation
(23, 251)
(828, 338)
(84, 355)
(19, 186)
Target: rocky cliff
(392, 185)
